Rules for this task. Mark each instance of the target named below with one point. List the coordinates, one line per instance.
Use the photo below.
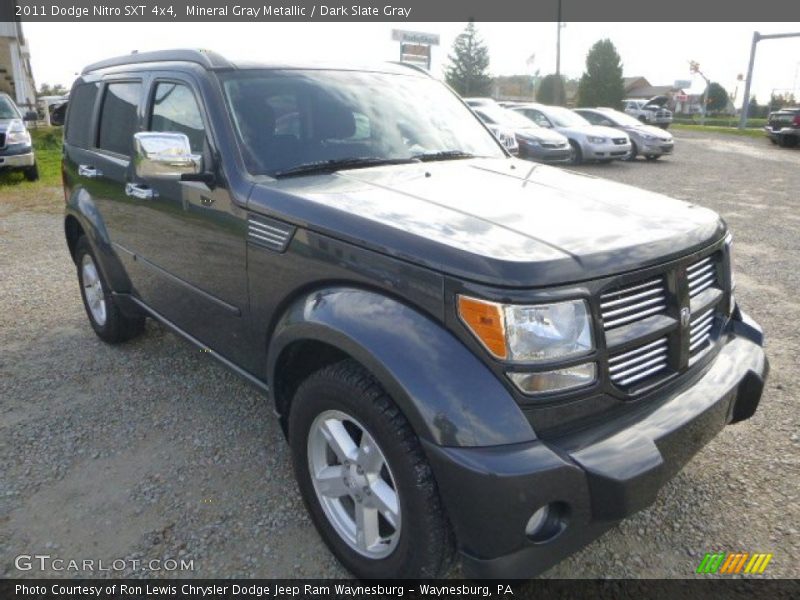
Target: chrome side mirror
(161, 155)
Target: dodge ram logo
(686, 315)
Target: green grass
(751, 133)
(754, 123)
(44, 195)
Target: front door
(190, 238)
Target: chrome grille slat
(633, 302)
(701, 276)
(700, 331)
(634, 317)
(624, 355)
(637, 364)
(642, 375)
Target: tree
(551, 90)
(778, 101)
(717, 98)
(468, 71)
(52, 90)
(601, 83)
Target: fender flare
(448, 395)
(81, 207)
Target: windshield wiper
(337, 164)
(444, 155)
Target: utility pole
(560, 100)
(694, 67)
(757, 37)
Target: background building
(16, 77)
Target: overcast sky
(657, 51)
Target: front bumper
(593, 478)
(607, 151)
(656, 148)
(13, 159)
(544, 154)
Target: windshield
(285, 119)
(502, 116)
(620, 118)
(563, 117)
(7, 109)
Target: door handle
(140, 192)
(88, 171)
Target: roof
(630, 83)
(216, 62)
(649, 91)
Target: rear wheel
(364, 477)
(633, 153)
(105, 316)
(787, 141)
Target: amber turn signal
(485, 320)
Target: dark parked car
(646, 140)
(534, 142)
(16, 148)
(783, 127)
(466, 352)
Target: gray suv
(472, 356)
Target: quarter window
(118, 119)
(175, 110)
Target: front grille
(633, 303)
(701, 276)
(2, 140)
(620, 141)
(700, 332)
(641, 363)
(661, 325)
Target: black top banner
(399, 10)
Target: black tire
(576, 157)
(633, 153)
(31, 173)
(773, 140)
(116, 327)
(652, 157)
(425, 546)
(643, 119)
(787, 141)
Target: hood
(540, 133)
(497, 221)
(650, 130)
(656, 102)
(6, 123)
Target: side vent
(269, 233)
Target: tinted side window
(79, 115)
(175, 109)
(593, 118)
(118, 117)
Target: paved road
(153, 451)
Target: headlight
(17, 134)
(596, 140)
(649, 137)
(529, 334)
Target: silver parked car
(588, 142)
(651, 142)
(16, 149)
(535, 143)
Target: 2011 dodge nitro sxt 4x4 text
(471, 356)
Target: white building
(16, 77)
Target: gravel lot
(152, 450)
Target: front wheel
(31, 173)
(576, 155)
(364, 477)
(652, 156)
(633, 153)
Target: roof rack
(205, 58)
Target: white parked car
(650, 112)
(588, 142)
